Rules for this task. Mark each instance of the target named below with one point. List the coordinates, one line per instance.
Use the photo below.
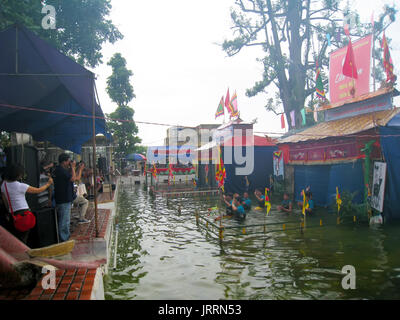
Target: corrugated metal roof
(257, 141)
(363, 97)
(343, 127)
(241, 141)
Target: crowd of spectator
(63, 186)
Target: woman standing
(13, 193)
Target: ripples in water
(163, 254)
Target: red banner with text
(340, 85)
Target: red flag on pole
(228, 103)
(387, 60)
(349, 66)
(283, 121)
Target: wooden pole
(94, 163)
(373, 58)
(16, 49)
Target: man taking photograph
(64, 177)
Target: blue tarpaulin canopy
(259, 178)
(136, 157)
(45, 93)
(390, 142)
(323, 180)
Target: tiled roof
(343, 127)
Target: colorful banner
(220, 109)
(220, 174)
(278, 164)
(154, 171)
(387, 60)
(340, 85)
(228, 105)
(319, 86)
(233, 103)
(378, 186)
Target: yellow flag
(305, 203)
(267, 202)
(268, 207)
(338, 199)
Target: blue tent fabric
(390, 143)
(135, 157)
(259, 179)
(323, 180)
(33, 88)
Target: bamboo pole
(94, 162)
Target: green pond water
(164, 254)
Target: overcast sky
(179, 71)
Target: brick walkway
(88, 230)
(74, 284)
(105, 197)
(71, 284)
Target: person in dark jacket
(64, 177)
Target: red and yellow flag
(220, 174)
(267, 202)
(338, 199)
(305, 203)
(387, 60)
(154, 171)
(228, 102)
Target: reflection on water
(163, 254)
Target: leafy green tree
(292, 35)
(121, 123)
(141, 150)
(5, 139)
(81, 26)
